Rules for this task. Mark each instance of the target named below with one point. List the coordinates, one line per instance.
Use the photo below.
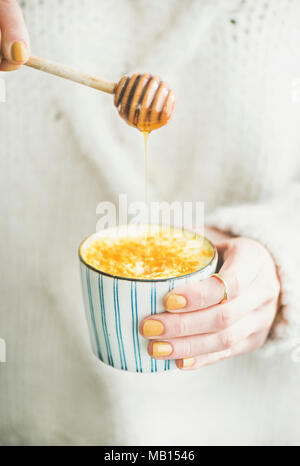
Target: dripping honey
(146, 136)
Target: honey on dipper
(144, 101)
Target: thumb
(14, 36)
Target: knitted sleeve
(276, 224)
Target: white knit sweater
(234, 143)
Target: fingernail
(152, 328)
(188, 362)
(175, 301)
(161, 348)
(19, 51)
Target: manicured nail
(152, 328)
(175, 301)
(188, 362)
(19, 51)
(161, 348)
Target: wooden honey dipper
(142, 100)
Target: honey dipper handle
(69, 73)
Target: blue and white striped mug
(115, 306)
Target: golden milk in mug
(126, 272)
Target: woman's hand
(14, 39)
(197, 330)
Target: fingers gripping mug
(115, 305)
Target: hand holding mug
(125, 273)
(197, 330)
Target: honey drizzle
(146, 136)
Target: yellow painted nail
(152, 328)
(175, 301)
(19, 51)
(188, 362)
(161, 348)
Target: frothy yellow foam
(163, 254)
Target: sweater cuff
(281, 239)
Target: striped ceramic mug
(115, 306)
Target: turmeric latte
(148, 254)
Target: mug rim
(130, 279)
